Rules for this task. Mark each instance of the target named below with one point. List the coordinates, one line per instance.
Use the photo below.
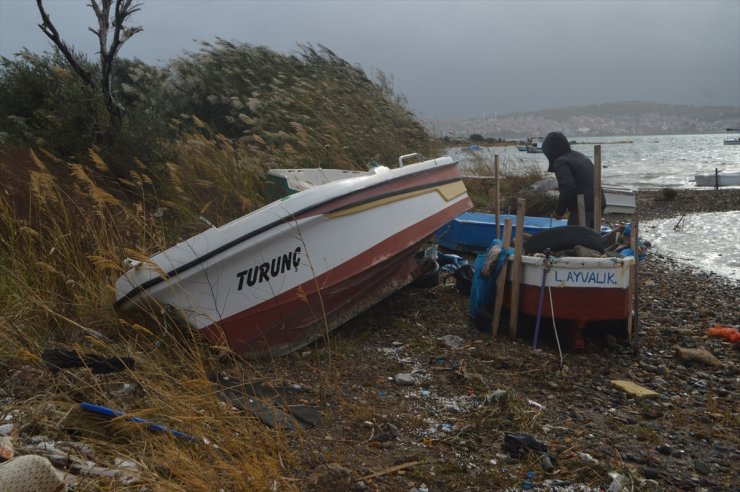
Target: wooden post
(597, 188)
(501, 280)
(498, 197)
(633, 320)
(581, 210)
(516, 267)
(716, 179)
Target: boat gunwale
(251, 234)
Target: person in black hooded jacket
(575, 174)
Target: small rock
(700, 355)
(664, 449)
(701, 467)
(611, 341)
(546, 463)
(651, 473)
(451, 341)
(404, 379)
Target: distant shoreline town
(612, 119)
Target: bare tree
(122, 10)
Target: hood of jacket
(554, 146)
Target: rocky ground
(421, 400)
(412, 397)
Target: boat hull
(582, 290)
(279, 278)
(473, 232)
(721, 178)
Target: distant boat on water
(532, 145)
(733, 141)
(473, 147)
(718, 178)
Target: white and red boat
(288, 273)
(581, 290)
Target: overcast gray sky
(452, 59)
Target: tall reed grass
(61, 250)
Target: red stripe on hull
(574, 303)
(430, 177)
(295, 318)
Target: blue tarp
(483, 289)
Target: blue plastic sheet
(483, 289)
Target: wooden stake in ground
(498, 196)
(501, 280)
(581, 210)
(632, 320)
(516, 267)
(597, 188)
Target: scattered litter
(31, 472)
(536, 405)
(727, 332)
(6, 448)
(546, 463)
(497, 396)
(587, 458)
(57, 359)
(528, 484)
(518, 444)
(451, 341)
(619, 482)
(149, 425)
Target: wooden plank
(501, 281)
(516, 267)
(597, 188)
(581, 210)
(634, 388)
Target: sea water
(708, 241)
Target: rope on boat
(555, 328)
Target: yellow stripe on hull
(447, 191)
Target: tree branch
(47, 27)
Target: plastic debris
(727, 332)
(517, 444)
(149, 425)
(539, 406)
(57, 359)
(31, 472)
(528, 484)
(587, 458)
(619, 482)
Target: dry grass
(515, 178)
(58, 262)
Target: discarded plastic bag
(30, 473)
(727, 332)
